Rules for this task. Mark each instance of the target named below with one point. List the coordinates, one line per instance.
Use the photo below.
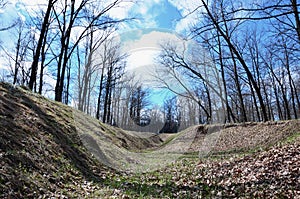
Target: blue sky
(152, 15)
(155, 20)
(163, 13)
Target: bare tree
(92, 65)
(283, 14)
(172, 114)
(111, 71)
(192, 71)
(39, 47)
(138, 104)
(19, 55)
(220, 24)
(20, 52)
(280, 62)
(223, 23)
(86, 14)
(69, 17)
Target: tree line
(252, 55)
(243, 64)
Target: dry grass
(51, 150)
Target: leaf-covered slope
(215, 139)
(273, 173)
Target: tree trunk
(287, 60)
(34, 65)
(43, 62)
(239, 90)
(68, 85)
(241, 60)
(107, 94)
(255, 103)
(64, 56)
(224, 80)
(17, 64)
(100, 93)
(297, 18)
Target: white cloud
(150, 40)
(144, 17)
(143, 9)
(185, 24)
(122, 10)
(142, 57)
(186, 8)
(22, 17)
(156, 1)
(29, 6)
(3, 64)
(143, 52)
(8, 14)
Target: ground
(48, 149)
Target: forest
(238, 63)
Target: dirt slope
(42, 149)
(214, 139)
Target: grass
(43, 153)
(170, 182)
(290, 139)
